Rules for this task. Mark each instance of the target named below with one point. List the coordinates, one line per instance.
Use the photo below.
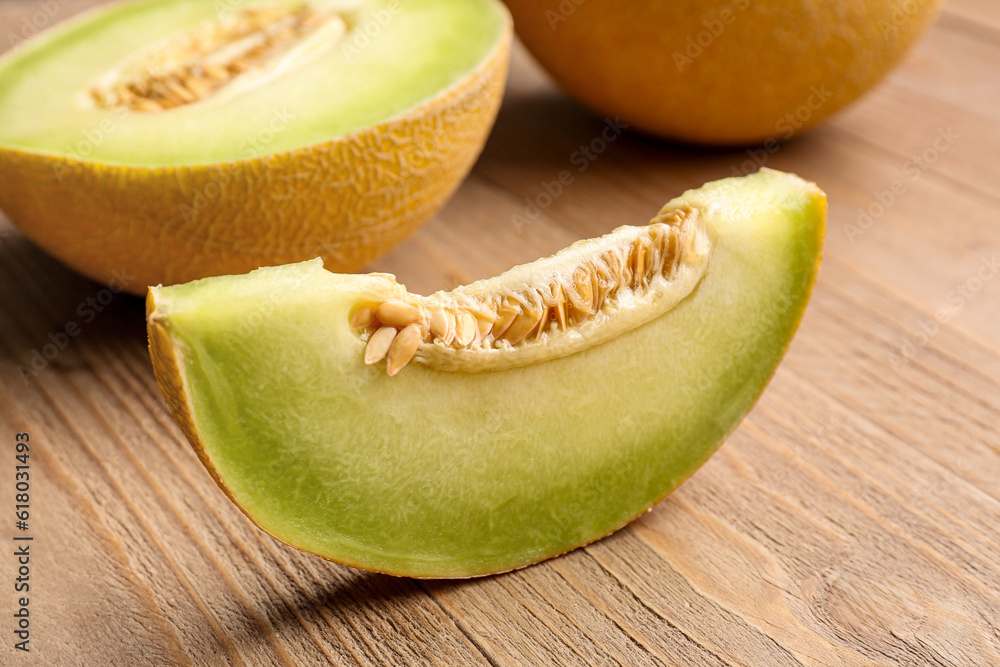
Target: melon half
(176, 139)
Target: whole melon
(719, 72)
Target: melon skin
(450, 474)
(348, 199)
(722, 72)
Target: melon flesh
(449, 474)
(398, 55)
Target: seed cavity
(586, 294)
(192, 65)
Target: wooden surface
(853, 518)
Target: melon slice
(584, 388)
(176, 139)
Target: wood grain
(853, 519)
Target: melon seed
(403, 347)
(397, 313)
(378, 345)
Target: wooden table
(853, 518)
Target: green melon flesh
(449, 474)
(399, 54)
